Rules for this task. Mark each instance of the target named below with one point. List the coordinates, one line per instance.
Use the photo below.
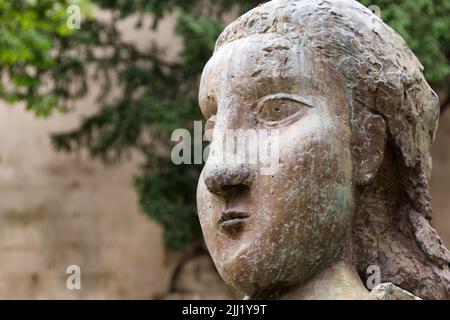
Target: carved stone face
(266, 232)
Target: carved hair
(392, 224)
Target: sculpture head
(350, 113)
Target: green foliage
(47, 65)
(31, 33)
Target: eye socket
(276, 110)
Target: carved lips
(232, 220)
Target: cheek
(316, 152)
(313, 180)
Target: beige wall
(57, 210)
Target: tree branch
(197, 249)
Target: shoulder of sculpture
(389, 291)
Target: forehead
(258, 65)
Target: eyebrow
(287, 96)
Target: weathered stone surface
(355, 120)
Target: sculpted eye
(274, 110)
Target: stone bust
(356, 120)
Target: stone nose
(220, 179)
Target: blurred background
(90, 91)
